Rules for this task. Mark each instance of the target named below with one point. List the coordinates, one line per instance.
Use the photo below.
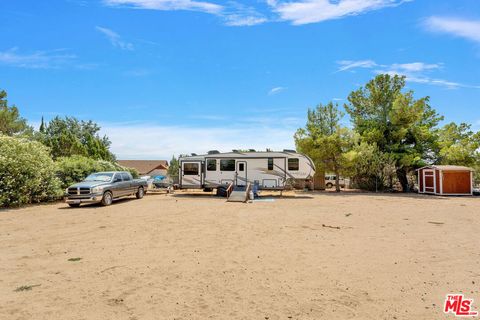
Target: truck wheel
(74, 205)
(221, 192)
(329, 185)
(140, 193)
(107, 198)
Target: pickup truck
(104, 187)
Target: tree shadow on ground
(411, 195)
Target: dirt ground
(194, 256)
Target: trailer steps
(238, 193)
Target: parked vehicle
(267, 170)
(161, 182)
(331, 179)
(104, 187)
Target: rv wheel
(329, 185)
(221, 192)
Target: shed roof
(448, 168)
(144, 166)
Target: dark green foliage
(369, 168)
(69, 136)
(74, 169)
(458, 145)
(173, 168)
(11, 124)
(399, 125)
(28, 173)
(42, 126)
(324, 140)
(393, 134)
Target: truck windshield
(105, 177)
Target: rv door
(241, 173)
(191, 176)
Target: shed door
(428, 181)
(457, 182)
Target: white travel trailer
(268, 170)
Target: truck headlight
(66, 191)
(96, 189)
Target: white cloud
(115, 38)
(37, 60)
(468, 29)
(348, 64)
(237, 14)
(415, 66)
(276, 90)
(414, 72)
(427, 80)
(150, 141)
(190, 5)
(233, 13)
(312, 11)
(238, 20)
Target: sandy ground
(198, 257)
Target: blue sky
(165, 77)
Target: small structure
(445, 180)
(147, 167)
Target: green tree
(173, 168)
(69, 136)
(369, 168)
(458, 145)
(324, 140)
(400, 126)
(42, 126)
(11, 123)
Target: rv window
(227, 165)
(211, 165)
(190, 169)
(293, 164)
(241, 167)
(270, 163)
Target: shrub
(27, 173)
(74, 169)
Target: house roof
(448, 168)
(144, 166)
